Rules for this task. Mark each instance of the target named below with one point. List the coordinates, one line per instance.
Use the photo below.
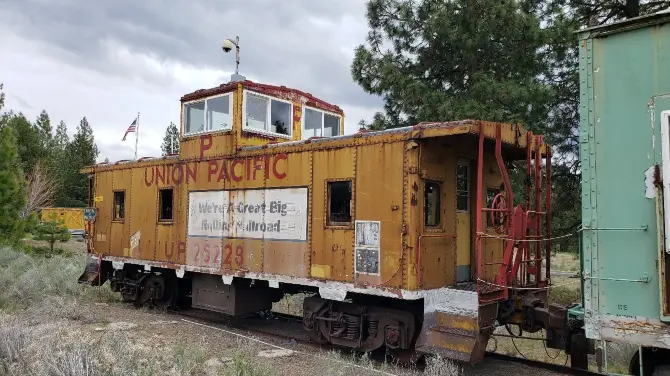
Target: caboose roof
(281, 92)
(514, 139)
(513, 136)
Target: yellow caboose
(405, 236)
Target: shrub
(52, 231)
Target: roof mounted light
(228, 45)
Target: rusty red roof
(281, 92)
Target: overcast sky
(108, 60)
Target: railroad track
(288, 327)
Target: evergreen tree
(52, 231)
(12, 188)
(28, 141)
(79, 153)
(592, 13)
(60, 165)
(451, 60)
(61, 138)
(2, 96)
(3, 117)
(171, 140)
(43, 125)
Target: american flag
(130, 129)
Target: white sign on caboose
(270, 214)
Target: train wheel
(159, 291)
(311, 326)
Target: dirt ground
(50, 325)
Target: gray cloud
(299, 43)
(22, 102)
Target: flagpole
(137, 133)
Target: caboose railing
(523, 229)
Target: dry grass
(290, 304)
(565, 262)
(44, 283)
(565, 290)
(336, 363)
(43, 350)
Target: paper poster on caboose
(269, 214)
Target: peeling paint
(649, 182)
(635, 330)
(332, 294)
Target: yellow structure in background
(72, 218)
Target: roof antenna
(227, 46)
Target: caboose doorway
(463, 220)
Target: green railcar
(624, 75)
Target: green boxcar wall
(623, 77)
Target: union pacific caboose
(406, 237)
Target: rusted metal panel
(284, 258)
(379, 188)
(438, 237)
(453, 325)
(103, 202)
(199, 146)
(143, 212)
(332, 243)
(120, 237)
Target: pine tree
(171, 140)
(61, 138)
(52, 230)
(447, 60)
(79, 153)
(45, 131)
(60, 164)
(12, 188)
(28, 141)
(2, 96)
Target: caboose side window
(317, 123)
(119, 205)
(165, 205)
(339, 203)
(463, 186)
(432, 204)
(265, 114)
(211, 114)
